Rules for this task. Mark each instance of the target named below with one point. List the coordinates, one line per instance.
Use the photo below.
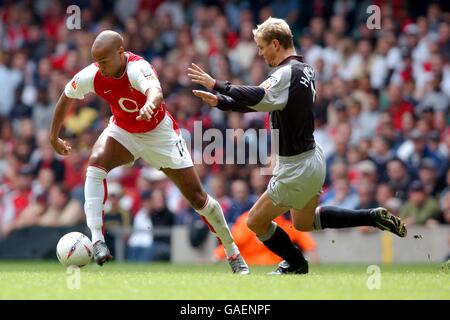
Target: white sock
(213, 214)
(95, 197)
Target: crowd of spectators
(382, 105)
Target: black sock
(334, 217)
(280, 244)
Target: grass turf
(48, 280)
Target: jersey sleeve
(226, 103)
(276, 90)
(271, 95)
(82, 83)
(142, 76)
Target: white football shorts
(297, 179)
(162, 147)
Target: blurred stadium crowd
(382, 105)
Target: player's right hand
(146, 112)
(61, 146)
(207, 97)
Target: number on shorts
(180, 148)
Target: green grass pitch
(155, 281)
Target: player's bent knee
(95, 160)
(250, 223)
(197, 199)
(254, 223)
(302, 226)
(303, 223)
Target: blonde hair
(274, 28)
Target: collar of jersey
(294, 56)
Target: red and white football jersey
(125, 95)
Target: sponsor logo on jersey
(74, 83)
(147, 73)
(269, 83)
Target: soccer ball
(74, 249)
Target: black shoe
(285, 268)
(238, 265)
(101, 253)
(386, 221)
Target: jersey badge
(74, 83)
(269, 83)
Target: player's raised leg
(260, 221)
(106, 155)
(313, 217)
(187, 180)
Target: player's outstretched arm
(271, 95)
(154, 99)
(199, 76)
(221, 102)
(207, 97)
(247, 95)
(62, 106)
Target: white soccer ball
(74, 249)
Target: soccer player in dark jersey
(140, 127)
(288, 94)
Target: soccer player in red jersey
(140, 127)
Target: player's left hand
(146, 112)
(201, 77)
